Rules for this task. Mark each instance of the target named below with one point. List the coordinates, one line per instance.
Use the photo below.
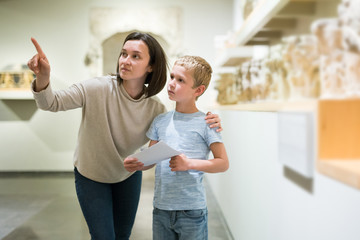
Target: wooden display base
(339, 140)
(346, 171)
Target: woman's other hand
(214, 121)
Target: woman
(116, 113)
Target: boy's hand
(214, 121)
(179, 163)
(132, 164)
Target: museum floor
(44, 206)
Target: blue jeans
(109, 209)
(182, 225)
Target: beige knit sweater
(113, 124)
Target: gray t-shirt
(189, 134)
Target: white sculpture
(269, 89)
(246, 82)
(301, 60)
(339, 46)
(349, 20)
(276, 64)
(331, 50)
(226, 89)
(238, 83)
(257, 80)
(16, 76)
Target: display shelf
(264, 11)
(16, 95)
(269, 21)
(234, 56)
(305, 105)
(270, 18)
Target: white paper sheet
(156, 153)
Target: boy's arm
(219, 163)
(132, 164)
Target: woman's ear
(149, 69)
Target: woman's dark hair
(156, 79)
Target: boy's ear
(200, 90)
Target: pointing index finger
(38, 48)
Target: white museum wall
(263, 200)
(34, 140)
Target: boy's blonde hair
(201, 69)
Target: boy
(180, 210)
